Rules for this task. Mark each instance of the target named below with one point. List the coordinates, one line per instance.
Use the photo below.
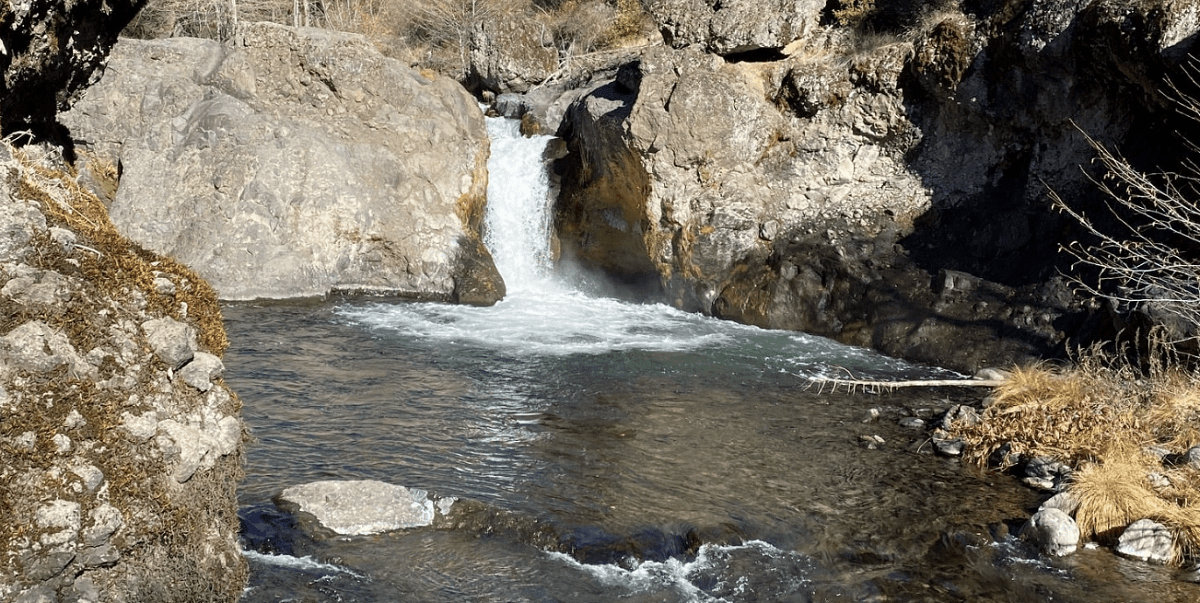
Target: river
(614, 451)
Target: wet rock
(361, 507)
(947, 444)
(912, 423)
(1045, 473)
(1052, 531)
(1147, 540)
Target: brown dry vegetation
(1119, 424)
(434, 34)
(113, 284)
(117, 265)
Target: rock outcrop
(49, 51)
(887, 190)
(735, 26)
(292, 163)
(120, 447)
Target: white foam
(710, 566)
(306, 564)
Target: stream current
(612, 451)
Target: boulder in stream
(1053, 531)
(1148, 540)
(358, 507)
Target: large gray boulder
(1052, 531)
(293, 162)
(1148, 540)
(118, 474)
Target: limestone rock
(1053, 531)
(292, 163)
(362, 507)
(735, 26)
(813, 191)
(173, 342)
(200, 372)
(36, 346)
(1147, 540)
(506, 55)
(71, 530)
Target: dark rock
(51, 51)
(1046, 473)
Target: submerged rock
(293, 162)
(362, 507)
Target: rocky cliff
(290, 163)
(49, 51)
(120, 446)
(886, 189)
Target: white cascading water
(542, 316)
(518, 212)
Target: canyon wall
(884, 189)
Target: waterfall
(518, 211)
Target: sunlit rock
(362, 507)
(1053, 531)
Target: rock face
(735, 26)
(117, 474)
(51, 50)
(888, 191)
(292, 163)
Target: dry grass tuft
(1121, 424)
(1076, 415)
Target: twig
(851, 383)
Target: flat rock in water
(1147, 540)
(362, 507)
